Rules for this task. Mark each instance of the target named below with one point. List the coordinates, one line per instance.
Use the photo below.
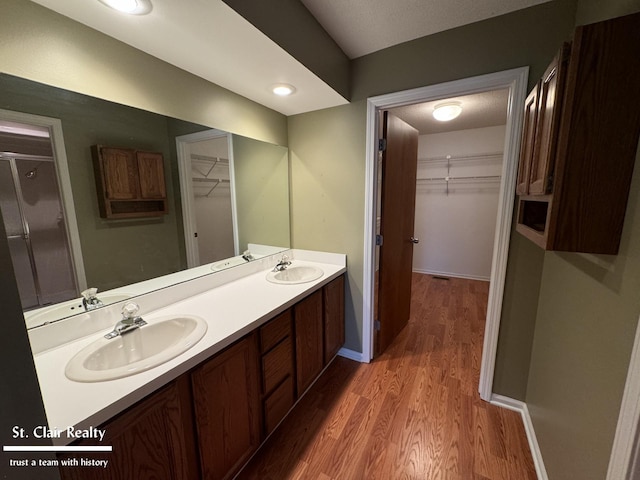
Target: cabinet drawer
(276, 365)
(274, 331)
(278, 404)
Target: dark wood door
(398, 196)
(226, 393)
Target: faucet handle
(89, 293)
(129, 310)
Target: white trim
(452, 275)
(186, 191)
(624, 463)
(353, 355)
(516, 81)
(64, 181)
(521, 407)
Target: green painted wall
(326, 152)
(500, 43)
(587, 317)
(262, 192)
(586, 320)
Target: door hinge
(382, 144)
(379, 240)
(549, 183)
(376, 325)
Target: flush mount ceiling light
(447, 111)
(131, 7)
(283, 89)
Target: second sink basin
(293, 275)
(137, 350)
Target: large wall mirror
(236, 191)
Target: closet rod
(211, 180)
(446, 158)
(208, 158)
(448, 179)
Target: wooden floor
(413, 413)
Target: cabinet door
(547, 124)
(151, 172)
(120, 173)
(153, 439)
(528, 141)
(333, 297)
(309, 342)
(227, 409)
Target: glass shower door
(36, 231)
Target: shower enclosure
(36, 231)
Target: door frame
(186, 191)
(624, 462)
(516, 81)
(54, 125)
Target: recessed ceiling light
(283, 89)
(132, 7)
(447, 111)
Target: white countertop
(231, 310)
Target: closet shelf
(204, 181)
(449, 179)
(461, 158)
(208, 162)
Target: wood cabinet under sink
(209, 421)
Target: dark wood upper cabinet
(550, 94)
(130, 183)
(576, 163)
(528, 140)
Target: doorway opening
(205, 163)
(515, 82)
(37, 210)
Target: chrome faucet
(89, 299)
(282, 264)
(248, 256)
(130, 321)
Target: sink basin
(62, 310)
(136, 351)
(293, 275)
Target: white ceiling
(360, 27)
(209, 39)
(479, 110)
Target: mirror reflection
(227, 199)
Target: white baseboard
(353, 355)
(453, 275)
(521, 407)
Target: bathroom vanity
(204, 413)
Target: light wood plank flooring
(413, 413)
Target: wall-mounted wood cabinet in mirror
(130, 182)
